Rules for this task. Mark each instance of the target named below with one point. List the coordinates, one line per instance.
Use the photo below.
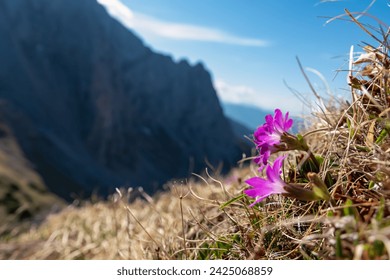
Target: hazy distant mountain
(92, 108)
(253, 117)
(250, 116)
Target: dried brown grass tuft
(353, 139)
(171, 225)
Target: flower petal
(278, 163)
(272, 177)
(259, 192)
(256, 182)
(269, 135)
(269, 121)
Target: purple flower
(267, 136)
(261, 188)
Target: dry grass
(353, 141)
(150, 228)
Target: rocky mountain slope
(92, 108)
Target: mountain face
(92, 108)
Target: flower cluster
(268, 136)
(273, 137)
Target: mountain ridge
(248, 115)
(92, 108)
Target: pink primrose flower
(267, 136)
(261, 188)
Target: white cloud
(235, 93)
(172, 30)
(241, 94)
(119, 11)
(179, 31)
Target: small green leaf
(376, 249)
(350, 128)
(339, 247)
(320, 159)
(348, 211)
(234, 199)
(363, 148)
(382, 136)
(380, 214)
(330, 214)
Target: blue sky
(250, 46)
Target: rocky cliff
(92, 108)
